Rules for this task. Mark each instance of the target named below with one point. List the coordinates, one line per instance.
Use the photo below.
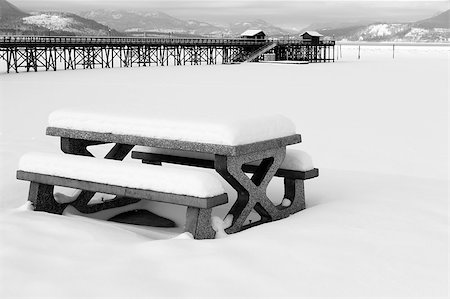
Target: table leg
(41, 196)
(79, 147)
(251, 191)
(294, 190)
(198, 223)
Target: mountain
(135, 21)
(203, 28)
(440, 21)
(269, 29)
(435, 29)
(15, 21)
(128, 20)
(67, 23)
(101, 21)
(132, 21)
(334, 26)
(9, 11)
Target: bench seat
(197, 190)
(297, 164)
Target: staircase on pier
(260, 51)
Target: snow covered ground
(376, 223)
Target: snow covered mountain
(123, 20)
(106, 22)
(9, 11)
(15, 21)
(440, 21)
(269, 29)
(126, 20)
(67, 23)
(435, 29)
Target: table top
(216, 134)
(225, 129)
(217, 149)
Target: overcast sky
(288, 14)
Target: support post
(41, 196)
(198, 223)
(294, 190)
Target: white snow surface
(232, 129)
(286, 202)
(127, 174)
(219, 225)
(376, 219)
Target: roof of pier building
(253, 33)
(312, 34)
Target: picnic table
(255, 145)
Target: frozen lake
(376, 222)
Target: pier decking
(54, 52)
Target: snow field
(359, 240)
(376, 222)
(348, 51)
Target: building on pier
(312, 36)
(253, 34)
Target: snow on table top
(133, 175)
(224, 130)
(297, 160)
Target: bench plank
(158, 158)
(184, 200)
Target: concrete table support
(252, 192)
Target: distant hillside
(440, 21)
(135, 21)
(435, 29)
(101, 21)
(15, 21)
(9, 11)
(61, 22)
(269, 29)
(125, 20)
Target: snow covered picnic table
(233, 147)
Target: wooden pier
(64, 52)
